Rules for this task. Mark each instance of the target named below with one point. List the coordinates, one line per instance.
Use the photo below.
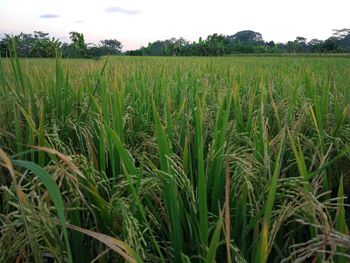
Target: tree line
(246, 41)
(40, 44)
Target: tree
(201, 48)
(342, 37)
(300, 44)
(7, 44)
(344, 43)
(300, 40)
(271, 44)
(272, 47)
(79, 45)
(291, 46)
(246, 41)
(315, 45)
(240, 47)
(40, 35)
(22, 42)
(217, 44)
(137, 52)
(157, 48)
(111, 46)
(247, 37)
(330, 45)
(177, 46)
(44, 46)
(341, 33)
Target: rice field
(130, 159)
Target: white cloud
(49, 16)
(117, 9)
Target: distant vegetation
(249, 42)
(244, 42)
(41, 45)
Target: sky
(137, 22)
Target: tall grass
(230, 159)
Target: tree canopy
(246, 41)
(40, 44)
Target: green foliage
(246, 41)
(54, 192)
(150, 151)
(42, 46)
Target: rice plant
(231, 159)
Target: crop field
(130, 159)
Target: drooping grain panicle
(178, 159)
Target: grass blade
(214, 243)
(116, 245)
(55, 194)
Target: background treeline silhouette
(40, 44)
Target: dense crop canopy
(233, 159)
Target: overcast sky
(137, 22)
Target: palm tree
(46, 47)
